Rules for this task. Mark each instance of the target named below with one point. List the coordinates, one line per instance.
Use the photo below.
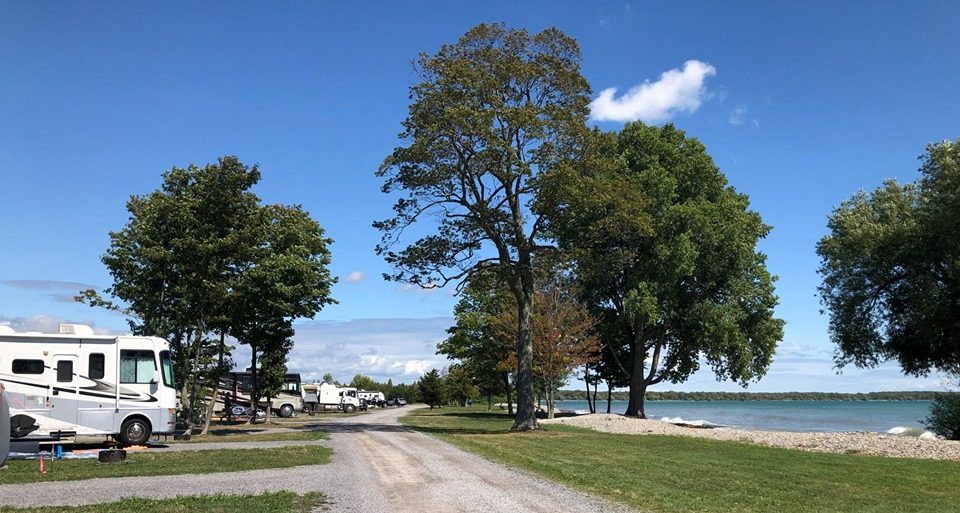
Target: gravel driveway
(378, 466)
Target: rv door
(64, 396)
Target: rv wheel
(135, 431)
(349, 408)
(286, 411)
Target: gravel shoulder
(860, 443)
(378, 466)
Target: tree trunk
(526, 413)
(595, 385)
(193, 382)
(489, 401)
(609, 396)
(211, 405)
(216, 387)
(506, 381)
(638, 386)
(255, 392)
(586, 381)
(549, 402)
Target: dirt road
(378, 467)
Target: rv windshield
(167, 367)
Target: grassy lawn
(664, 474)
(282, 502)
(230, 434)
(169, 463)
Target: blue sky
(800, 105)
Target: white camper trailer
(373, 398)
(77, 383)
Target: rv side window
(136, 366)
(96, 366)
(64, 371)
(246, 384)
(166, 365)
(28, 366)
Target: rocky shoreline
(880, 444)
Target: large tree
(200, 258)
(891, 270)
(490, 116)
(172, 264)
(666, 252)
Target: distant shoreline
(580, 395)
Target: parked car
(401, 401)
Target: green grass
(231, 434)
(664, 474)
(160, 463)
(281, 502)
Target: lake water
(877, 416)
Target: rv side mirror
(155, 380)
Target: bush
(944, 418)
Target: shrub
(944, 418)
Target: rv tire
(349, 408)
(134, 431)
(286, 410)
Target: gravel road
(378, 467)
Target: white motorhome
(324, 396)
(75, 383)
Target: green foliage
(891, 279)
(362, 382)
(492, 114)
(409, 392)
(666, 253)
(944, 418)
(458, 385)
(474, 340)
(431, 389)
(201, 258)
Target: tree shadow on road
(358, 427)
(461, 423)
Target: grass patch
(229, 434)
(169, 463)
(281, 502)
(668, 474)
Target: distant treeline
(580, 395)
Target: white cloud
(397, 349)
(416, 367)
(355, 277)
(50, 324)
(676, 91)
(738, 116)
